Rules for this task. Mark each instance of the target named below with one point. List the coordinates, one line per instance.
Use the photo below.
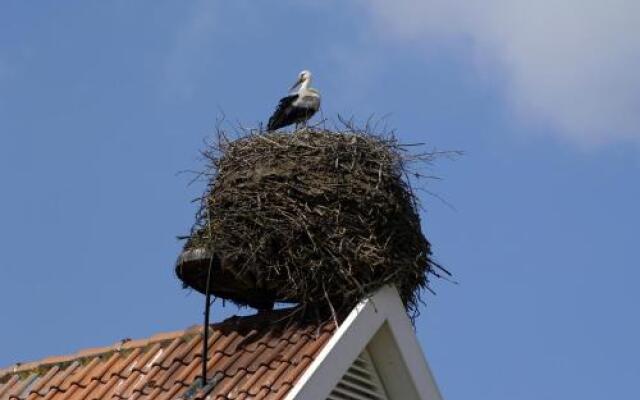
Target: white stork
(298, 107)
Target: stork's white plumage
(298, 107)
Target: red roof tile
(254, 357)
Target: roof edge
(354, 334)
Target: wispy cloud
(186, 53)
(573, 64)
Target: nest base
(192, 269)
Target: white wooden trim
(351, 338)
(329, 366)
(413, 356)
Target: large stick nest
(317, 218)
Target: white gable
(376, 336)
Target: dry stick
(333, 311)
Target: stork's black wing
(282, 116)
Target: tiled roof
(255, 357)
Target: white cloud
(187, 52)
(572, 63)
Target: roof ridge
(127, 344)
(121, 345)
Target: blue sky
(103, 103)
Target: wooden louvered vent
(360, 382)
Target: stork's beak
(298, 82)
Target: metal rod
(207, 309)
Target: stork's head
(303, 77)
